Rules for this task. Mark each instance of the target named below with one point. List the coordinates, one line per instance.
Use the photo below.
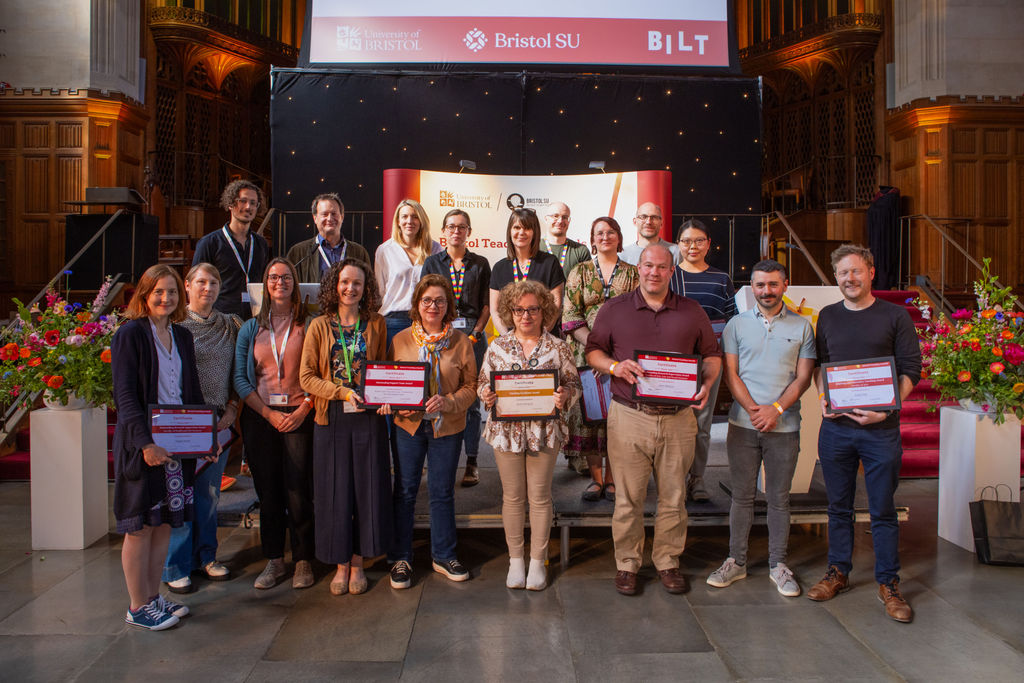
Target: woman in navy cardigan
(153, 361)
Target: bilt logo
(658, 42)
(475, 39)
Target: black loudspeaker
(128, 246)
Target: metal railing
(196, 178)
(793, 242)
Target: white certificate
(400, 385)
(184, 431)
(869, 384)
(524, 394)
(668, 377)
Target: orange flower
(55, 381)
(964, 376)
(1018, 387)
(1006, 334)
(84, 317)
(989, 313)
(997, 352)
(996, 368)
(965, 329)
(105, 355)
(25, 352)
(33, 362)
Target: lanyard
(565, 252)
(238, 257)
(323, 254)
(284, 345)
(348, 353)
(606, 287)
(457, 283)
(525, 272)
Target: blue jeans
(471, 437)
(396, 321)
(194, 544)
(442, 456)
(841, 449)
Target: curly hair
(426, 282)
(138, 306)
(514, 291)
(328, 297)
(231, 191)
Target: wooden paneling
(69, 179)
(996, 141)
(69, 135)
(36, 135)
(6, 136)
(965, 141)
(995, 190)
(36, 176)
(964, 188)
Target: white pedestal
(973, 452)
(69, 478)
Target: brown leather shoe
(471, 477)
(625, 582)
(895, 606)
(834, 583)
(673, 581)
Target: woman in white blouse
(399, 263)
(526, 451)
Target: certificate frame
(167, 440)
(601, 387)
(682, 358)
(370, 386)
(545, 378)
(829, 370)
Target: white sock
(516, 573)
(538, 577)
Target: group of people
(341, 480)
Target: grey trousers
(747, 449)
(703, 443)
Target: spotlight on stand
(599, 165)
(466, 163)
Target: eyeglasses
(433, 303)
(457, 228)
(279, 278)
(559, 216)
(247, 202)
(647, 217)
(699, 242)
(520, 312)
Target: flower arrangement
(978, 355)
(63, 349)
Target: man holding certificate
(769, 360)
(856, 329)
(651, 425)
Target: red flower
(996, 368)
(25, 352)
(105, 355)
(1014, 354)
(9, 352)
(55, 381)
(996, 351)
(33, 362)
(52, 338)
(964, 376)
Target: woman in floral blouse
(526, 451)
(590, 284)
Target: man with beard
(860, 327)
(238, 253)
(648, 222)
(314, 256)
(769, 360)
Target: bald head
(556, 216)
(648, 220)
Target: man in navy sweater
(857, 328)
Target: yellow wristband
(611, 368)
(821, 395)
(778, 408)
(349, 394)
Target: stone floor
(61, 616)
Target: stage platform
(479, 507)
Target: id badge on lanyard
(238, 257)
(279, 399)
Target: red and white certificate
(869, 384)
(400, 385)
(672, 378)
(185, 431)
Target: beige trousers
(526, 477)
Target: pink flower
(962, 314)
(1013, 354)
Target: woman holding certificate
(351, 471)
(153, 361)
(434, 434)
(590, 284)
(525, 262)
(526, 445)
(399, 263)
(277, 424)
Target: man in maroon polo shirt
(644, 437)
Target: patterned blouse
(505, 353)
(585, 294)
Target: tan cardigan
(458, 380)
(315, 368)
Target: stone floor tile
(595, 667)
(311, 672)
(53, 658)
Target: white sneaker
(784, 580)
(182, 585)
(727, 574)
(215, 571)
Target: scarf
(431, 346)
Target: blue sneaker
(150, 617)
(165, 605)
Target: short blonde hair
(514, 291)
(852, 250)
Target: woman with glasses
(526, 261)
(399, 262)
(590, 284)
(470, 277)
(277, 424)
(352, 473)
(714, 291)
(434, 434)
(525, 451)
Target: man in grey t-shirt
(648, 222)
(769, 362)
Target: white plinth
(69, 478)
(973, 452)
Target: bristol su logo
(475, 39)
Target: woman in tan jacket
(434, 434)
(351, 472)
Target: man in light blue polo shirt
(769, 362)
